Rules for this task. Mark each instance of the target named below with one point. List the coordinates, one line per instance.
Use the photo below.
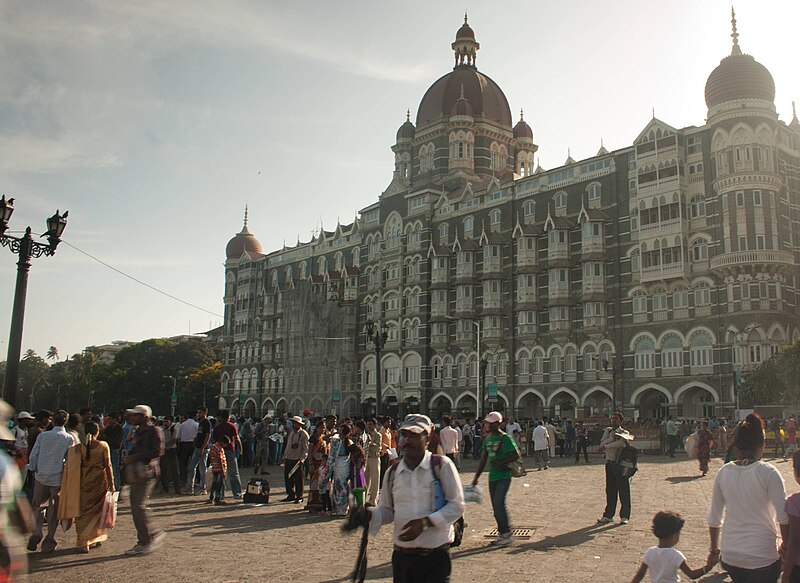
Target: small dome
(407, 130)
(243, 241)
(739, 77)
(465, 32)
(522, 129)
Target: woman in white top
(748, 499)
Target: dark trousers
(294, 485)
(672, 444)
(384, 465)
(185, 451)
(140, 493)
(169, 470)
(498, 490)
(617, 487)
(795, 574)
(217, 487)
(768, 574)
(413, 568)
(580, 444)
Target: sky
(154, 123)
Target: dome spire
(465, 47)
(734, 35)
(408, 115)
(521, 115)
(795, 123)
(244, 225)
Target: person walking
(747, 501)
(141, 472)
(466, 433)
(541, 445)
(386, 441)
(47, 461)
(672, 436)
(202, 442)
(111, 434)
(448, 439)
(705, 442)
(169, 461)
(232, 450)
(618, 487)
(499, 450)
(373, 462)
(552, 434)
(294, 457)
(581, 441)
(96, 479)
(423, 519)
(218, 465)
(186, 434)
(477, 436)
(15, 513)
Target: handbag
(517, 468)
(108, 514)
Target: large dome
(483, 95)
(243, 241)
(739, 77)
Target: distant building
(649, 275)
(108, 352)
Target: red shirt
(229, 429)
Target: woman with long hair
(705, 442)
(339, 470)
(317, 458)
(747, 501)
(96, 480)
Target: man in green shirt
(499, 449)
(672, 437)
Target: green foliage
(33, 377)
(774, 380)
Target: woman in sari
(96, 480)
(339, 471)
(317, 469)
(704, 444)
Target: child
(665, 560)
(791, 557)
(219, 467)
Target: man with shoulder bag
(618, 486)
(142, 473)
(423, 495)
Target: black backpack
(626, 462)
(436, 462)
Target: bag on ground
(257, 491)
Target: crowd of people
(72, 467)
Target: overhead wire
(139, 281)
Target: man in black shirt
(112, 435)
(201, 446)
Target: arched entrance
(530, 406)
(250, 409)
(695, 401)
(564, 404)
(440, 405)
(597, 402)
(466, 406)
(651, 403)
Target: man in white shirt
(186, 434)
(448, 439)
(424, 497)
(552, 433)
(513, 426)
(541, 442)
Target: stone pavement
(280, 542)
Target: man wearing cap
(142, 473)
(422, 507)
(47, 460)
(24, 421)
(294, 455)
(617, 487)
(499, 449)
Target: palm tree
(52, 353)
(29, 354)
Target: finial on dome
(794, 111)
(462, 92)
(244, 228)
(734, 35)
(465, 17)
(521, 115)
(795, 123)
(408, 115)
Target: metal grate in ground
(515, 532)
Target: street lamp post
(617, 368)
(378, 338)
(26, 248)
(174, 398)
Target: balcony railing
(757, 257)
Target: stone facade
(648, 276)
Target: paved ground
(280, 542)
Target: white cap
(494, 417)
(141, 410)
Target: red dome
(243, 241)
(739, 77)
(483, 94)
(406, 131)
(465, 32)
(523, 130)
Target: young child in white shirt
(665, 560)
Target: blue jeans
(767, 574)
(198, 461)
(476, 447)
(218, 487)
(115, 469)
(233, 472)
(498, 490)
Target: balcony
(464, 305)
(663, 272)
(440, 276)
(465, 271)
(492, 266)
(671, 226)
(764, 260)
(527, 258)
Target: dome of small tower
(522, 129)
(407, 130)
(243, 241)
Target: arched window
(560, 200)
(699, 250)
(357, 256)
(494, 217)
(680, 297)
(644, 350)
(589, 358)
(529, 208)
(555, 361)
(469, 224)
(672, 352)
(593, 191)
(537, 362)
(659, 300)
(338, 261)
(444, 231)
(524, 364)
(634, 219)
(322, 264)
(639, 302)
(697, 206)
(700, 349)
(570, 360)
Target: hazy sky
(151, 121)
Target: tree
(774, 380)
(52, 353)
(33, 373)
